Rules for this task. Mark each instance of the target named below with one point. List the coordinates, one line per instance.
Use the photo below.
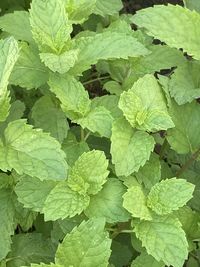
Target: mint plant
(99, 134)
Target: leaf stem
(96, 80)
(82, 134)
(188, 163)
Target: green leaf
(145, 260)
(92, 49)
(89, 173)
(87, 245)
(79, 11)
(108, 203)
(144, 105)
(73, 149)
(162, 56)
(16, 112)
(6, 221)
(49, 117)
(29, 71)
(60, 63)
(110, 7)
(8, 56)
(30, 248)
(21, 29)
(74, 98)
(40, 155)
(184, 84)
(135, 201)
(130, 149)
(50, 26)
(169, 248)
(176, 26)
(46, 265)
(150, 173)
(169, 195)
(192, 5)
(98, 120)
(185, 137)
(32, 192)
(63, 202)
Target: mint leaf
(74, 99)
(171, 249)
(135, 202)
(29, 71)
(39, 149)
(172, 25)
(89, 173)
(60, 63)
(21, 29)
(130, 149)
(169, 195)
(48, 116)
(8, 56)
(92, 49)
(184, 138)
(144, 106)
(32, 192)
(90, 242)
(108, 203)
(105, 8)
(184, 83)
(63, 202)
(50, 26)
(145, 260)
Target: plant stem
(96, 80)
(87, 135)
(188, 163)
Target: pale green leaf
(145, 260)
(40, 155)
(98, 120)
(60, 63)
(106, 45)
(130, 149)
(110, 102)
(79, 10)
(49, 117)
(45, 265)
(89, 172)
(135, 201)
(144, 105)
(184, 84)
(150, 173)
(50, 25)
(63, 202)
(161, 57)
(176, 26)
(9, 53)
(110, 7)
(169, 195)
(74, 98)
(108, 203)
(185, 137)
(164, 239)
(30, 248)
(87, 245)
(29, 71)
(32, 192)
(6, 221)
(18, 25)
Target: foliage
(99, 134)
